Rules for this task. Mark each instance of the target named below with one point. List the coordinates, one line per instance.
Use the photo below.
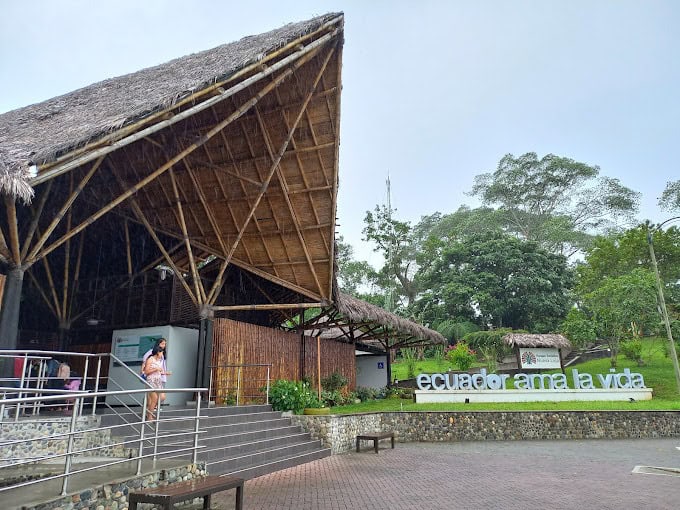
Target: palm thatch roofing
(536, 340)
(39, 133)
(369, 326)
(223, 159)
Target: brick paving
(476, 475)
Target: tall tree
(555, 201)
(355, 277)
(670, 198)
(618, 254)
(499, 281)
(621, 304)
(394, 239)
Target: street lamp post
(662, 301)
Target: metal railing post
(39, 383)
(238, 385)
(157, 412)
(85, 370)
(96, 384)
(267, 400)
(21, 387)
(141, 435)
(196, 426)
(69, 447)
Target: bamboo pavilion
(199, 192)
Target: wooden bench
(375, 437)
(198, 488)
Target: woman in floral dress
(153, 369)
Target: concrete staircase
(245, 441)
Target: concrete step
(218, 464)
(278, 464)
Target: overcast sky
(434, 93)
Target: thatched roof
(359, 311)
(39, 133)
(529, 340)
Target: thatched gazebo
(201, 189)
(516, 341)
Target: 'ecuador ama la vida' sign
(523, 387)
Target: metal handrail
(69, 436)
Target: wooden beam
(334, 177)
(128, 252)
(232, 173)
(50, 280)
(4, 249)
(162, 169)
(198, 286)
(36, 218)
(67, 257)
(11, 207)
(268, 306)
(67, 166)
(76, 276)
(42, 293)
(58, 217)
(138, 212)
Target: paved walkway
(476, 475)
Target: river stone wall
(339, 432)
(34, 430)
(115, 496)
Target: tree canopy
(555, 201)
(498, 281)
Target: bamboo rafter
(198, 285)
(11, 207)
(265, 185)
(291, 209)
(49, 304)
(32, 256)
(268, 306)
(36, 218)
(140, 215)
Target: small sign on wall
(381, 365)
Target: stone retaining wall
(40, 440)
(115, 496)
(338, 432)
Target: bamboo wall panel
(291, 355)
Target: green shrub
(364, 394)
(631, 349)
(285, 395)
(332, 398)
(461, 356)
(334, 382)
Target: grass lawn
(658, 374)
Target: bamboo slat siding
(292, 356)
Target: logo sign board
(539, 358)
(381, 365)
